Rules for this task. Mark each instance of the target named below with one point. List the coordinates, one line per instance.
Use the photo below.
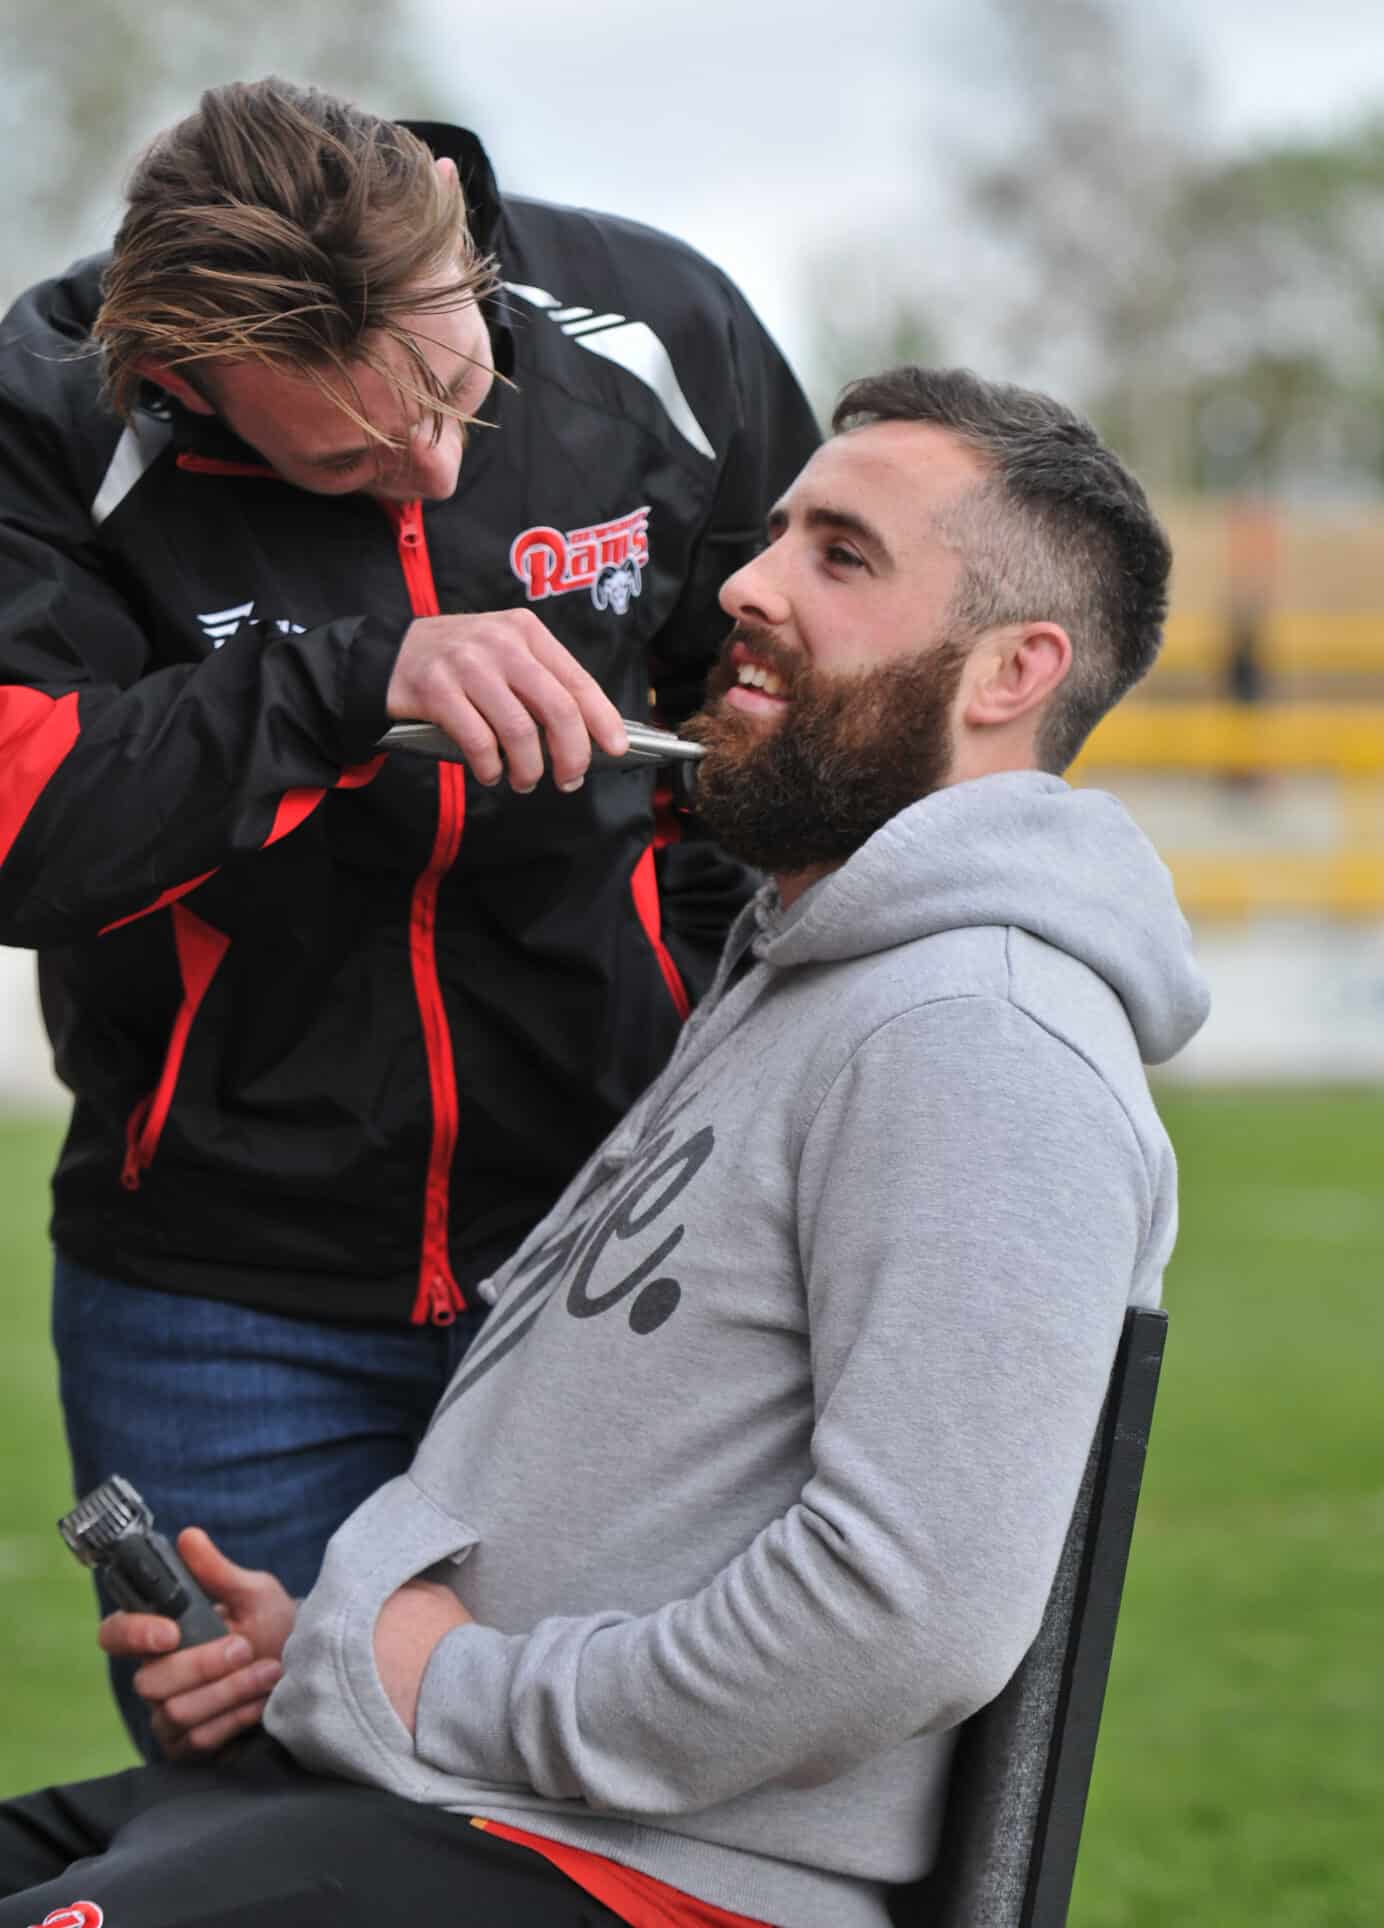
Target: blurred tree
(84, 84)
(1073, 132)
(1278, 332)
(1221, 315)
(1078, 181)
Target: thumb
(209, 1566)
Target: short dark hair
(281, 224)
(1058, 532)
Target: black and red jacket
(339, 1025)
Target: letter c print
(658, 1298)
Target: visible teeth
(756, 677)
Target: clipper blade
(104, 1516)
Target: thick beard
(850, 752)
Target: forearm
(112, 796)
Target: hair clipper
(648, 746)
(112, 1532)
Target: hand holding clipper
(112, 1532)
(647, 746)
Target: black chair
(1008, 1849)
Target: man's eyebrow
(846, 522)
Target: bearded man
(785, 1405)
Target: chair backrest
(1008, 1848)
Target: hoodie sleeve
(970, 1204)
(122, 785)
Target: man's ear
(447, 170)
(178, 386)
(1013, 672)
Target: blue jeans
(265, 1430)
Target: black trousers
(250, 1841)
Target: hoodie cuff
(462, 1725)
(367, 663)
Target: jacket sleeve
(772, 434)
(971, 1200)
(122, 784)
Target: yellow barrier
(1296, 643)
(1218, 737)
(1222, 739)
(1343, 884)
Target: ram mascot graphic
(617, 585)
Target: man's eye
(845, 558)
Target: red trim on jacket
(644, 891)
(667, 822)
(295, 807)
(213, 465)
(637, 1898)
(439, 1298)
(36, 733)
(200, 950)
(161, 902)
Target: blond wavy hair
(282, 225)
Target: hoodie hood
(1024, 849)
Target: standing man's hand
(204, 1696)
(500, 685)
(411, 1623)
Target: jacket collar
(482, 213)
(477, 175)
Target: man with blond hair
(336, 437)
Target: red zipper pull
(447, 1300)
(439, 1296)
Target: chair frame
(1022, 1770)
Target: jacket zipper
(439, 1298)
(200, 950)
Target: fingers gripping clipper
(112, 1532)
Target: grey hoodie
(756, 1479)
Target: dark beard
(849, 754)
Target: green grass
(1242, 1752)
(59, 1722)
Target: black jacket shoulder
(51, 373)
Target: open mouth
(754, 676)
(757, 689)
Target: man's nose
(435, 466)
(756, 591)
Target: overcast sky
(759, 131)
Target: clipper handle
(112, 1532)
(145, 1575)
